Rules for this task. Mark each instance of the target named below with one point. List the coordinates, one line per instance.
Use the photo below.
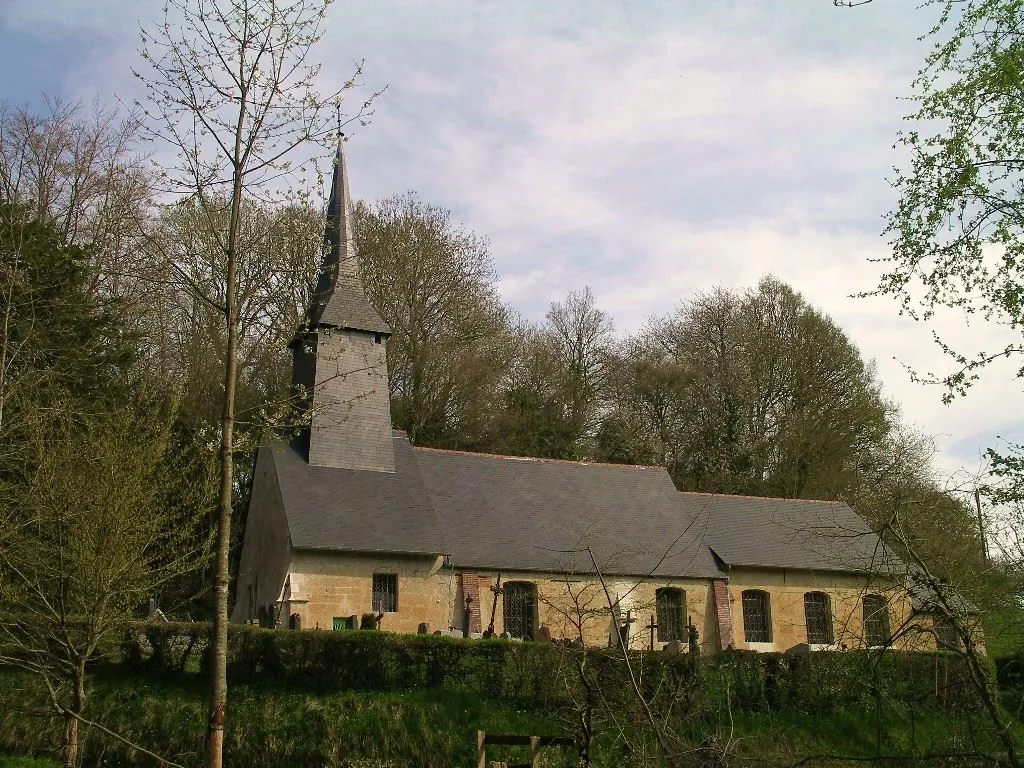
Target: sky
(649, 150)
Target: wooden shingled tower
(339, 366)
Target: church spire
(339, 299)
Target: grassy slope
(26, 762)
(271, 726)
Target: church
(349, 519)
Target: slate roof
(789, 533)
(511, 513)
(339, 299)
(356, 510)
(515, 513)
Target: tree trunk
(219, 692)
(71, 746)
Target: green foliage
(338, 698)
(752, 392)
(60, 334)
(957, 230)
(543, 675)
(25, 762)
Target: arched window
(671, 607)
(876, 621)
(818, 618)
(757, 616)
(518, 609)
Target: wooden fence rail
(533, 742)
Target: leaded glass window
(946, 637)
(818, 617)
(757, 618)
(671, 607)
(518, 607)
(876, 621)
(385, 593)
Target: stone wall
(266, 547)
(786, 589)
(328, 585)
(325, 586)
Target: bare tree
(79, 168)
(434, 284)
(582, 336)
(232, 90)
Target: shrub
(546, 675)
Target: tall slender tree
(232, 88)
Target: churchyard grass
(12, 761)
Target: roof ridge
(763, 498)
(530, 458)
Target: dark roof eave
(305, 330)
(366, 551)
(811, 569)
(584, 572)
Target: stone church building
(351, 519)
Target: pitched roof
(356, 510)
(513, 513)
(495, 512)
(339, 299)
(789, 533)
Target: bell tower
(339, 364)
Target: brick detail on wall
(723, 613)
(470, 584)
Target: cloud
(649, 151)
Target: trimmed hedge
(548, 676)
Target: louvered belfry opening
(518, 609)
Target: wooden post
(535, 752)
(481, 760)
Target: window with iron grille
(818, 617)
(671, 607)
(876, 621)
(757, 618)
(385, 592)
(517, 609)
(946, 637)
